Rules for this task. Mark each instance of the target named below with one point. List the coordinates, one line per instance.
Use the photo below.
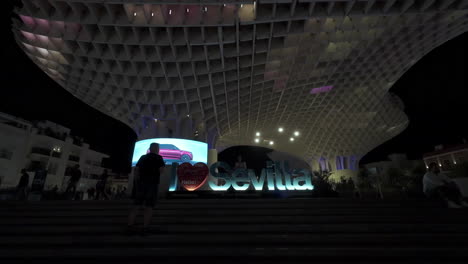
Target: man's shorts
(146, 194)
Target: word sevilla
(276, 177)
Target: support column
(212, 159)
(314, 165)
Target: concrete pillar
(130, 184)
(212, 159)
(314, 165)
(164, 181)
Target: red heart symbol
(192, 177)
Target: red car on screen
(169, 151)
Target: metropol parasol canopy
(306, 77)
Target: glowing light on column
(280, 129)
(322, 89)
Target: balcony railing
(53, 134)
(74, 158)
(94, 163)
(42, 151)
(56, 154)
(78, 141)
(5, 154)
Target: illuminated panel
(173, 150)
(43, 52)
(28, 21)
(43, 25)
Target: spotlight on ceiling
(280, 129)
(188, 115)
(257, 140)
(152, 14)
(271, 142)
(291, 139)
(134, 14)
(296, 133)
(257, 134)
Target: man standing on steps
(147, 172)
(73, 182)
(21, 189)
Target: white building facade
(395, 161)
(447, 157)
(44, 145)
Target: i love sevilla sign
(276, 176)
(192, 177)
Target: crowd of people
(150, 167)
(101, 191)
(437, 185)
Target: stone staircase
(236, 231)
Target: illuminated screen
(173, 150)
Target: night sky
(434, 91)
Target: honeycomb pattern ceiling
(235, 68)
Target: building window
(446, 165)
(42, 151)
(74, 158)
(6, 154)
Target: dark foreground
(236, 231)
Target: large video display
(173, 150)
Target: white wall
(20, 141)
(15, 140)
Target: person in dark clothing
(147, 173)
(74, 179)
(101, 186)
(54, 192)
(90, 192)
(22, 186)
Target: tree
(394, 177)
